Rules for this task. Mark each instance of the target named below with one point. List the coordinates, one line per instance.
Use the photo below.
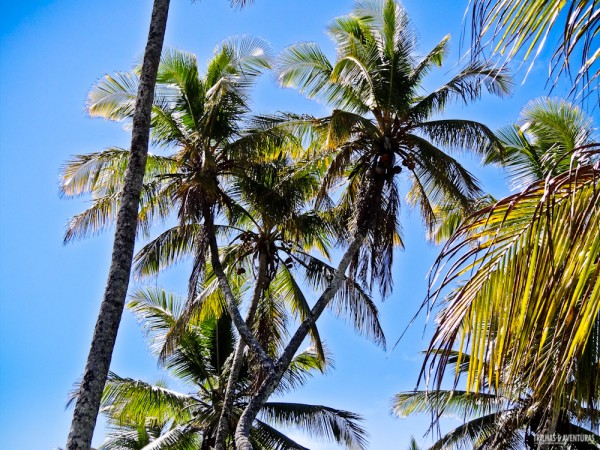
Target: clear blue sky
(52, 51)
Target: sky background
(51, 53)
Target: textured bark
(262, 281)
(111, 309)
(242, 433)
(243, 329)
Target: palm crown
(530, 303)
(382, 118)
(201, 116)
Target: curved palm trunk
(111, 310)
(262, 281)
(242, 432)
(274, 375)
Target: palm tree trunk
(241, 326)
(111, 310)
(274, 375)
(262, 281)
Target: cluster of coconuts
(246, 238)
(385, 165)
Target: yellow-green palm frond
(530, 287)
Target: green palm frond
(512, 28)
(178, 438)
(157, 311)
(483, 433)
(321, 422)
(544, 140)
(303, 366)
(264, 436)
(127, 399)
(113, 97)
(101, 174)
(287, 288)
(305, 67)
(168, 248)
(466, 86)
(449, 217)
(459, 403)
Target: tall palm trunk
(111, 310)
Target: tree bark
(111, 309)
(262, 281)
(242, 433)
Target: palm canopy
(511, 27)
(529, 288)
(383, 117)
(542, 143)
(199, 115)
(154, 417)
(270, 216)
(276, 218)
(197, 118)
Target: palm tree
(515, 25)
(276, 229)
(381, 116)
(268, 196)
(111, 309)
(201, 116)
(531, 300)
(494, 418)
(271, 231)
(153, 416)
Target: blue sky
(51, 54)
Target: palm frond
(534, 292)
(321, 422)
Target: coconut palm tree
(201, 115)
(277, 230)
(517, 27)
(266, 201)
(381, 118)
(111, 309)
(271, 232)
(530, 302)
(494, 418)
(152, 416)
